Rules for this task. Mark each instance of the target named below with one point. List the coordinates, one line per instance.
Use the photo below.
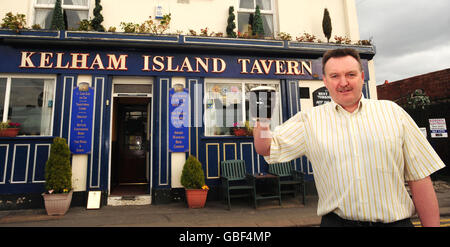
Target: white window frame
(241, 82)
(266, 12)
(63, 6)
(9, 78)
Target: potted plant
(193, 180)
(9, 129)
(58, 178)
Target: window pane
(276, 118)
(76, 2)
(264, 4)
(31, 105)
(223, 111)
(74, 17)
(244, 24)
(268, 25)
(44, 18)
(2, 96)
(246, 4)
(46, 1)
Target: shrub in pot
(58, 178)
(193, 180)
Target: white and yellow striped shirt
(360, 160)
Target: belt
(333, 220)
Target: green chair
(291, 180)
(236, 182)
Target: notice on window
(321, 96)
(81, 123)
(438, 128)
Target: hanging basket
(9, 132)
(196, 198)
(57, 204)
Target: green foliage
(257, 26)
(14, 22)
(58, 171)
(85, 25)
(192, 176)
(326, 24)
(418, 100)
(57, 18)
(149, 26)
(96, 23)
(231, 23)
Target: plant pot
(10, 132)
(196, 198)
(57, 204)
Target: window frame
(36, 5)
(242, 82)
(263, 12)
(7, 102)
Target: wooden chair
(236, 182)
(291, 180)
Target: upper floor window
(74, 12)
(246, 12)
(28, 100)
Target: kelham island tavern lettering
(159, 63)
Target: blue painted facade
(22, 159)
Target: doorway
(130, 160)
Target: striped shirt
(360, 160)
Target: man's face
(344, 80)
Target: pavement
(292, 213)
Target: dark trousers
(333, 220)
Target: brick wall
(435, 84)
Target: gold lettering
(292, 68)
(169, 65)
(186, 64)
(243, 63)
(265, 66)
(26, 60)
(146, 63)
(257, 67)
(204, 64)
(97, 61)
(45, 60)
(76, 60)
(306, 65)
(280, 67)
(59, 56)
(216, 66)
(117, 64)
(158, 60)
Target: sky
(411, 37)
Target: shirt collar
(339, 108)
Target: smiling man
(362, 152)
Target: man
(362, 152)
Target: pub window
(246, 12)
(74, 12)
(28, 101)
(226, 105)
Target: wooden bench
(236, 182)
(291, 180)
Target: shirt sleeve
(288, 141)
(421, 160)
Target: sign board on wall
(178, 120)
(81, 122)
(321, 96)
(438, 128)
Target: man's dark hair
(340, 53)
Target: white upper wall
(291, 16)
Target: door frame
(133, 80)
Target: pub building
(132, 107)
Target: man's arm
(425, 201)
(262, 137)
